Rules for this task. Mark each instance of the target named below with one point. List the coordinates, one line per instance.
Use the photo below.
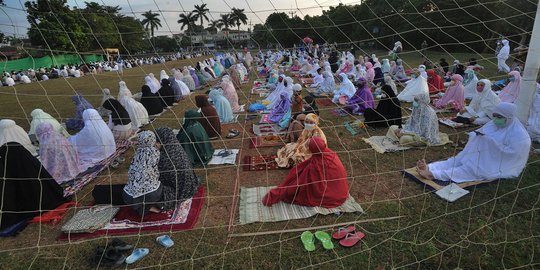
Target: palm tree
(213, 27)
(225, 21)
(187, 21)
(238, 17)
(200, 13)
(151, 21)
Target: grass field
(494, 227)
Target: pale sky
(13, 17)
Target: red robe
(318, 181)
(435, 82)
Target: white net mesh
(74, 47)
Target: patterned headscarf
(143, 174)
(423, 121)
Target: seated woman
(194, 139)
(194, 77)
(56, 154)
(388, 111)
(469, 83)
(27, 189)
(188, 80)
(435, 82)
(151, 102)
(229, 92)
(399, 73)
(281, 113)
(166, 94)
(511, 91)
(81, 104)
(370, 72)
(318, 79)
(234, 77)
(390, 82)
(481, 107)
(497, 150)
(416, 86)
(176, 173)
(11, 132)
(119, 121)
(210, 119)
(328, 85)
(143, 190)
(320, 181)
(295, 66)
(296, 152)
(422, 128)
(179, 87)
(362, 99)
(137, 112)
(106, 95)
(151, 83)
(454, 97)
(95, 142)
(39, 116)
(223, 107)
(295, 128)
(346, 90)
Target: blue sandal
(137, 255)
(165, 241)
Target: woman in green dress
(194, 139)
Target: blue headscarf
(223, 107)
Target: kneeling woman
(319, 181)
(497, 150)
(194, 139)
(143, 189)
(296, 152)
(281, 113)
(421, 129)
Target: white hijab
(416, 86)
(483, 103)
(39, 116)
(11, 132)
(152, 84)
(346, 87)
(95, 142)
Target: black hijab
(388, 111)
(150, 101)
(166, 93)
(27, 189)
(119, 114)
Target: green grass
(494, 227)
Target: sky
(13, 17)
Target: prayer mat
(436, 110)
(268, 129)
(90, 174)
(252, 210)
(324, 102)
(315, 93)
(437, 184)
(224, 156)
(339, 112)
(265, 119)
(128, 222)
(266, 141)
(448, 122)
(383, 144)
(259, 90)
(306, 81)
(355, 127)
(260, 163)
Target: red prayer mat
(260, 163)
(152, 222)
(266, 141)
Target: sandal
(165, 241)
(325, 239)
(232, 133)
(351, 239)
(342, 232)
(137, 255)
(308, 240)
(224, 153)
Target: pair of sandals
(112, 254)
(116, 163)
(232, 133)
(347, 236)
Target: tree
(200, 13)
(238, 17)
(225, 21)
(151, 21)
(187, 21)
(213, 27)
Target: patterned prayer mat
(128, 222)
(252, 210)
(266, 141)
(355, 127)
(268, 129)
(260, 163)
(383, 144)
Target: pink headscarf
(229, 92)
(455, 95)
(57, 155)
(370, 72)
(511, 90)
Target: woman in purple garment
(194, 76)
(282, 108)
(362, 99)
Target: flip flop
(342, 232)
(165, 241)
(351, 239)
(325, 239)
(137, 255)
(308, 240)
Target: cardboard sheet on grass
(220, 156)
(252, 210)
(456, 190)
(383, 144)
(128, 222)
(315, 93)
